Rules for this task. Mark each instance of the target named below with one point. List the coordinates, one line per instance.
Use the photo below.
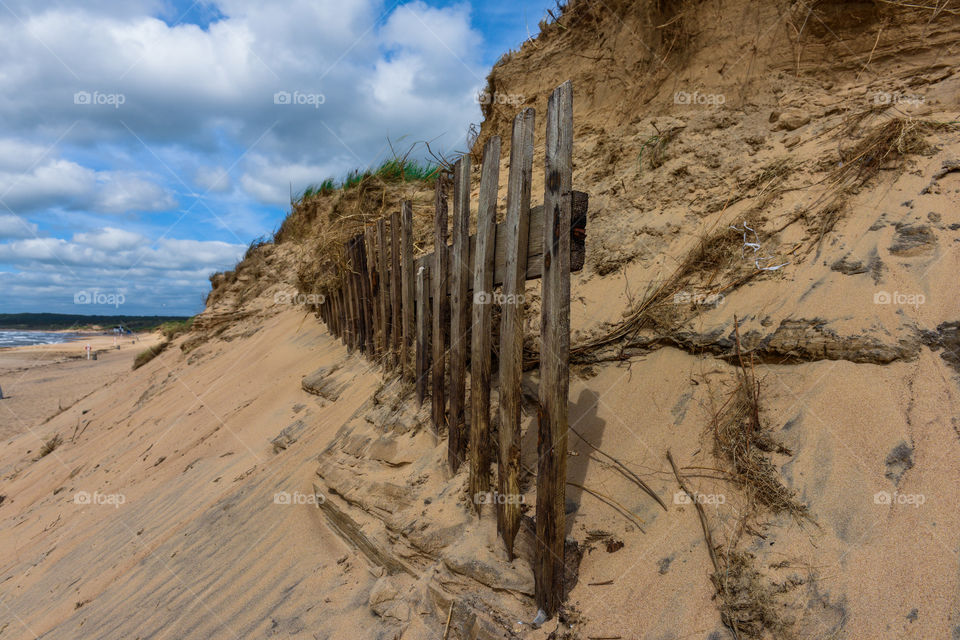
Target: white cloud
(123, 192)
(42, 180)
(110, 239)
(196, 102)
(13, 226)
(213, 179)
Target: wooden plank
(384, 295)
(353, 275)
(554, 353)
(516, 227)
(482, 326)
(351, 532)
(459, 312)
(335, 311)
(332, 299)
(370, 238)
(356, 320)
(351, 313)
(534, 244)
(395, 285)
(407, 287)
(366, 293)
(438, 285)
(422, 371)
(343, 313)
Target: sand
(859, 383)
(41, 380)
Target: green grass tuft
(391, 171)
(147, 355)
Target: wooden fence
(422, 317)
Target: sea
(16, 338)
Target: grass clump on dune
(171, 330)
(147, 355)
(397, 169)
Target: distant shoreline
(59, 322)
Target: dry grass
(748, 601)
(147, 355)
(49, 446)
(714, 266)
(875, 148)
(745, 444)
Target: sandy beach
(39, 381)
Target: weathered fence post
(438, 282)
(384, 290)
(356, 277)
(554, 352)
(395, 285)
(344, 317)
(423, 331)
(366, 293)
(332, 301)
(351, 311)
(459, 311)
(517, 229)
(480, 344)
(373, 286)
(407, 286)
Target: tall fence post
(395, 285)
(517, 228)
(423, 332)
(407, 287)
(438, 282)
(459, 311)
(357, 277)
(554, 352)
(384, 289)
(482, 307)
(373, 286)
(360, 257)
(351, 311)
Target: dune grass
(147, 355)
(393, 170)
(171, 330)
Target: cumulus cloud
(151, 276)
(126, 112)
(13, 226)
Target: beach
(40, 381)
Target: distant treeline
(61, 322)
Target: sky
(145, 143)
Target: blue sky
(144, 144)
